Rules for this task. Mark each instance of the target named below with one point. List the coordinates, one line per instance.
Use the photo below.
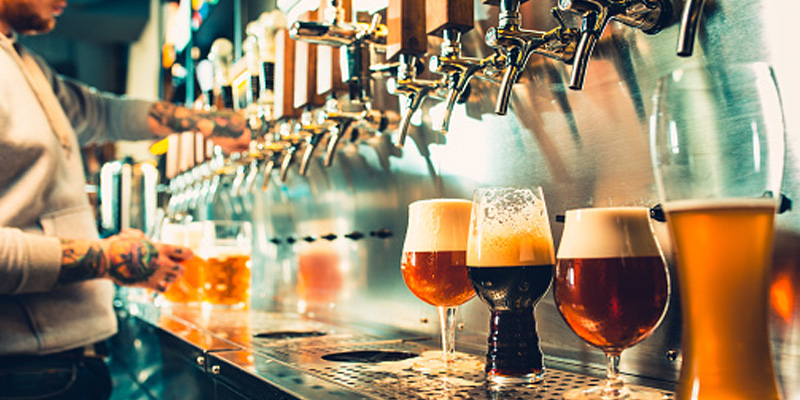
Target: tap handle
(456, 15)
(406, 34)
(690, 20)
(497, 3)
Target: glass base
(602, 392)
(431, 362)
(526, 379)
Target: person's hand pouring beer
(128, 259)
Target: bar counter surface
(186, 352)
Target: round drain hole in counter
(289, 334)
(369, 356)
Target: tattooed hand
(225, 127)
(129, 259)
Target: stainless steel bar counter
(186, 352)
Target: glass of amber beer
(717, 145)
(510, 261)
(225, 248)
(434, 268)
(611, 287)
(189, 287)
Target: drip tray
(281, 335)
(370, 357)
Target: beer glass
(434, 266)
(189, 287)
(717, 146)
(225, 248)
(611, 287)
(510, 261)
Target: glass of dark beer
(434, 269)
(510, 260)
(717, 146)
(611, 287)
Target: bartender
(56, 276)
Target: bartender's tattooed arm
(125, 260)
(81, 260)
(165, 118)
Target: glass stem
(447, 322)
(613, 385)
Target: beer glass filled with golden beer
(434, 267)
(717, 145)
(225, 248)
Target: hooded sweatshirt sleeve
(28, 262)
(98, 116)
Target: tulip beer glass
(717, 148)
(611, 287)
(510, 260)
(434, 265)
(225, 247)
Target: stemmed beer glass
(717, 146)
(612, 288)
(434, 267)
(510, 259)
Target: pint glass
(225, 248)
(717, 144)
(510, 259)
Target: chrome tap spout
(516, 46)
(413, 92)
(648, 15)
(690, 20)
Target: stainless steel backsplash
(585, 148)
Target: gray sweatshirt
(42, 198)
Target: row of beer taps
(369, 51)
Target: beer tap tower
(648, 15)
(516, 45)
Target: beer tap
(313, 123)
(450, 19)
(690, 20)
(648, 15)
(516, 45)
(413, 91)
(290, 135)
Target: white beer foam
(608, 233)
(222, 252)
(701, 204)
(438, 225)
(515, 235)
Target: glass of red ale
(717, 146)
(434, 267)
(611, 287)
(510, 260)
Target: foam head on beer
(608, 233)
(438, 225)
(514, 225)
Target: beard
(23, 19)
